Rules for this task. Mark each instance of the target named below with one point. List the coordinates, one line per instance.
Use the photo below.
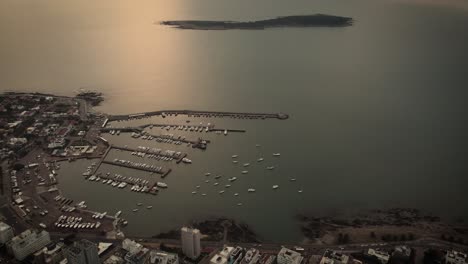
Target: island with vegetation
(317, 20)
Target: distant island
(317, 20)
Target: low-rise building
(288, 256)
(455, 257)
(6, 233)
(381, 256)
(139, 257)
(27, 243)
(223, 256)
(161, 257)
(50, 255)
(334, 257)
(137, 254)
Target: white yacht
(276, 154)
(270, 167)
(194, 192)
(246, 164)
(225, 132)
(300, 191)
(260, 160)
(221, 192)
(198, 187)
(292, 179)
(235, 161)
(216, 184)
(161, 184)
(207, 181)
(236, 194)
(232, 179)
(251, 190)
(227, 185)
(207, 174)
(235, 156)
(275, 187)
(185, 160)
(245, 172)
(239, 204)
(203, 194)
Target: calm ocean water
(378, 115)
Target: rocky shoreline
(213, 230)
(396, 224)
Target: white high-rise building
(6, 233)
(190, 242)
(27, 243)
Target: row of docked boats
(140, 165)
(194, 128)
(114, 132)
(73, 222)
(171, 139)
(138, 184)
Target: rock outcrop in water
(317, 20)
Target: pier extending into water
(199, 143)
(178, 157)
(163, 171)
(193, 113)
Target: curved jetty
(317, 20)
(194, 113)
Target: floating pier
(164, 172)
(178, 157)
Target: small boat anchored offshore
(251, 190)
(276, 154)
(275, 187)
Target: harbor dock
(163, 171)
(177, 156)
